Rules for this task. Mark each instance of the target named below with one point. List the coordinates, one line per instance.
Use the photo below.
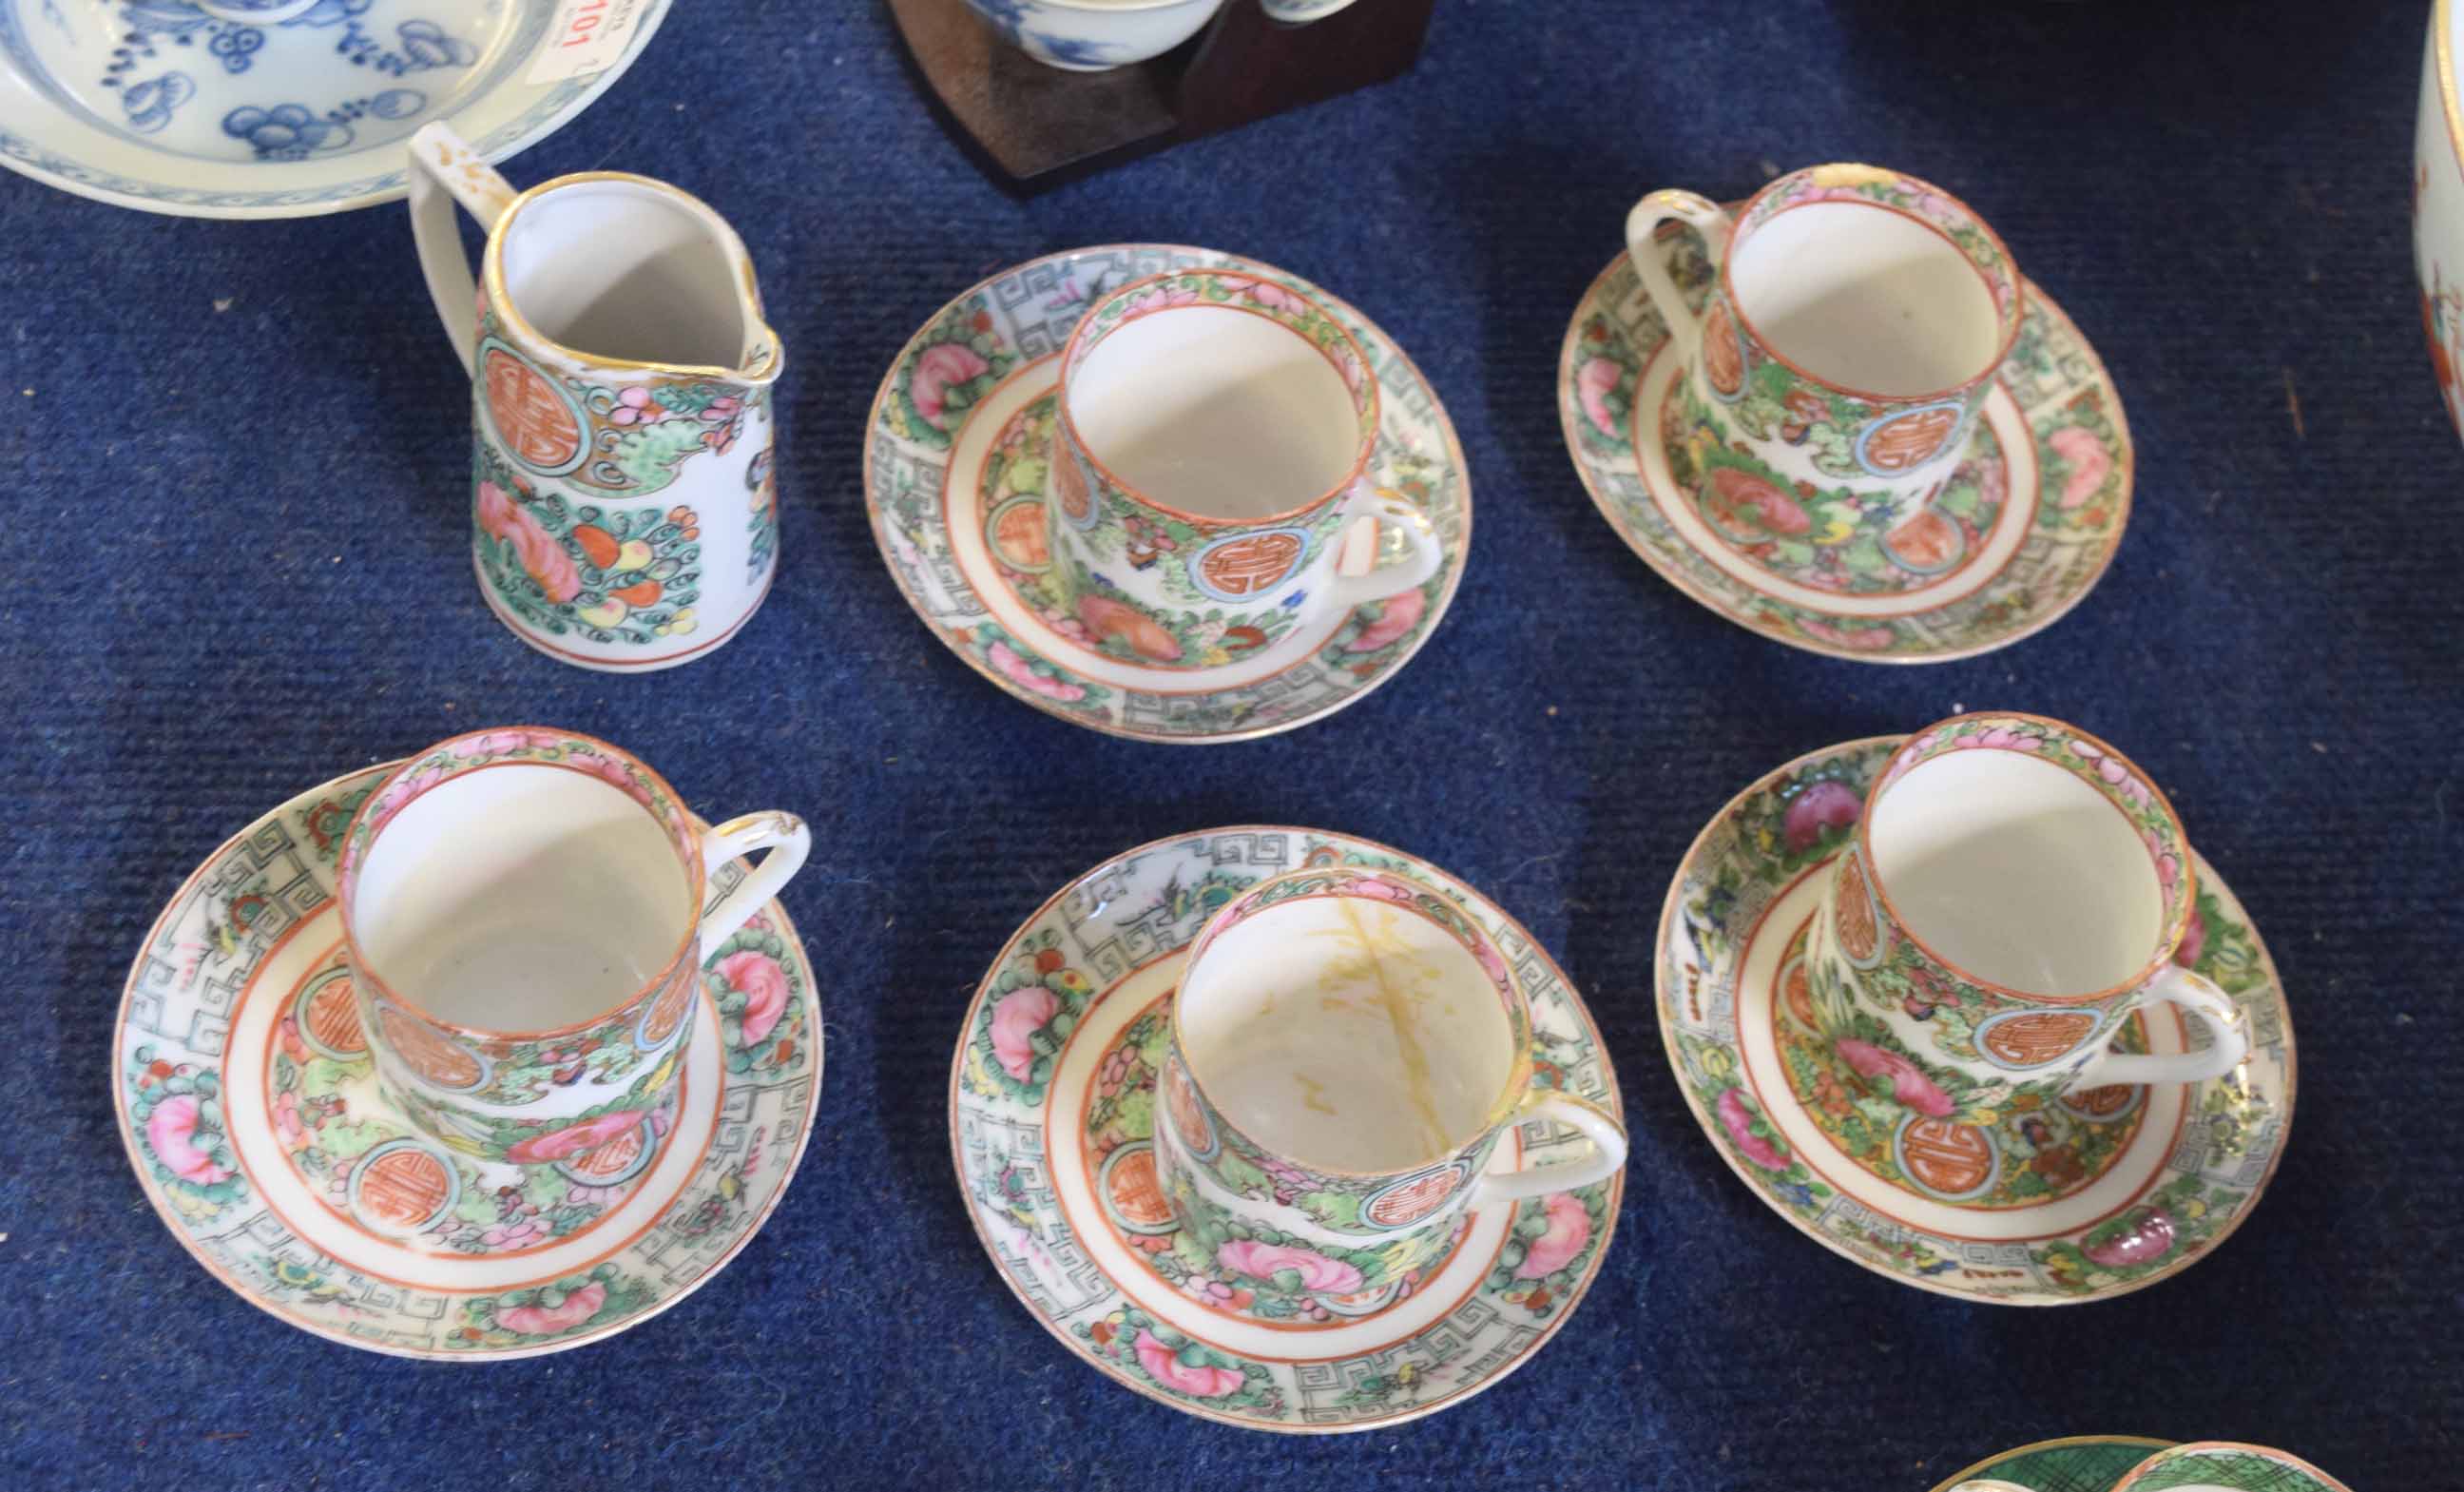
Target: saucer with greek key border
(2091, 1196)
(247, 1102)
(2074, 1463)
(2019, 533)
(1051, 1122)
(953, 477)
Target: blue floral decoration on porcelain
(284, 131)
(1010, 18)
(262, 86)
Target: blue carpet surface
(237, 457)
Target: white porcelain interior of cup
(620, 268)
(1866, 298)
(2018, 872)
(1216, 411)
(520, 897)
(1346, 1033)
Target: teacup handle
(2228, 1038)
(445, 172)
(1394, 514)
(1707, 218)
(789, 841)
(1608, 1151)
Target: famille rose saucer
(954, 469)
(1052, 1119)
(247, 1102)
(2094, 1195)
(2075, 1464)
(2020, 532)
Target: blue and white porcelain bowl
(1300, 13)
(1094, 36)
(287, 108)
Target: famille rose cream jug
(524, 911)
(1346, 1050)
(1854, 330)
(1209, 484)
(2013, 891)
(624, 504)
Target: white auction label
(586, 37)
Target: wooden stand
(1033, 127)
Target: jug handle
(444, 172)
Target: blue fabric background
(237, 473)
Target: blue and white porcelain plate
(287, 108)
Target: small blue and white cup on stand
(1300, 13)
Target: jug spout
(626, 273)
(764, 356)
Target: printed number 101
(583, 19)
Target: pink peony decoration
(1106, 617)
(1020, 1015)
(1020, 672)
(634, 407)
(171, 1129)
(2195, 938)
(1908, 1085)
(2088, 461)
(1569, 1228)
(1265, 1261)
(541, 556)
(538, 1321)
(1826, 804)
(937, 368)
(1491, 961)
(2000, 738)
(520, 1233)
(1381, 888)
(574, 1139)
(1168, 1370)
(2148, 1238)
(500, 742)
(1400, 615)
(1739, 1121)
(763, 984)
(1275, 297)
(1741, 491)
(1593, 382)
(2168, 866)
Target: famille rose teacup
(1210, 460)
(2014, 890)
(523, 911)
(1347, 1048)
(1853, 334)
(625, 506)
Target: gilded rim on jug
(757, 327)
